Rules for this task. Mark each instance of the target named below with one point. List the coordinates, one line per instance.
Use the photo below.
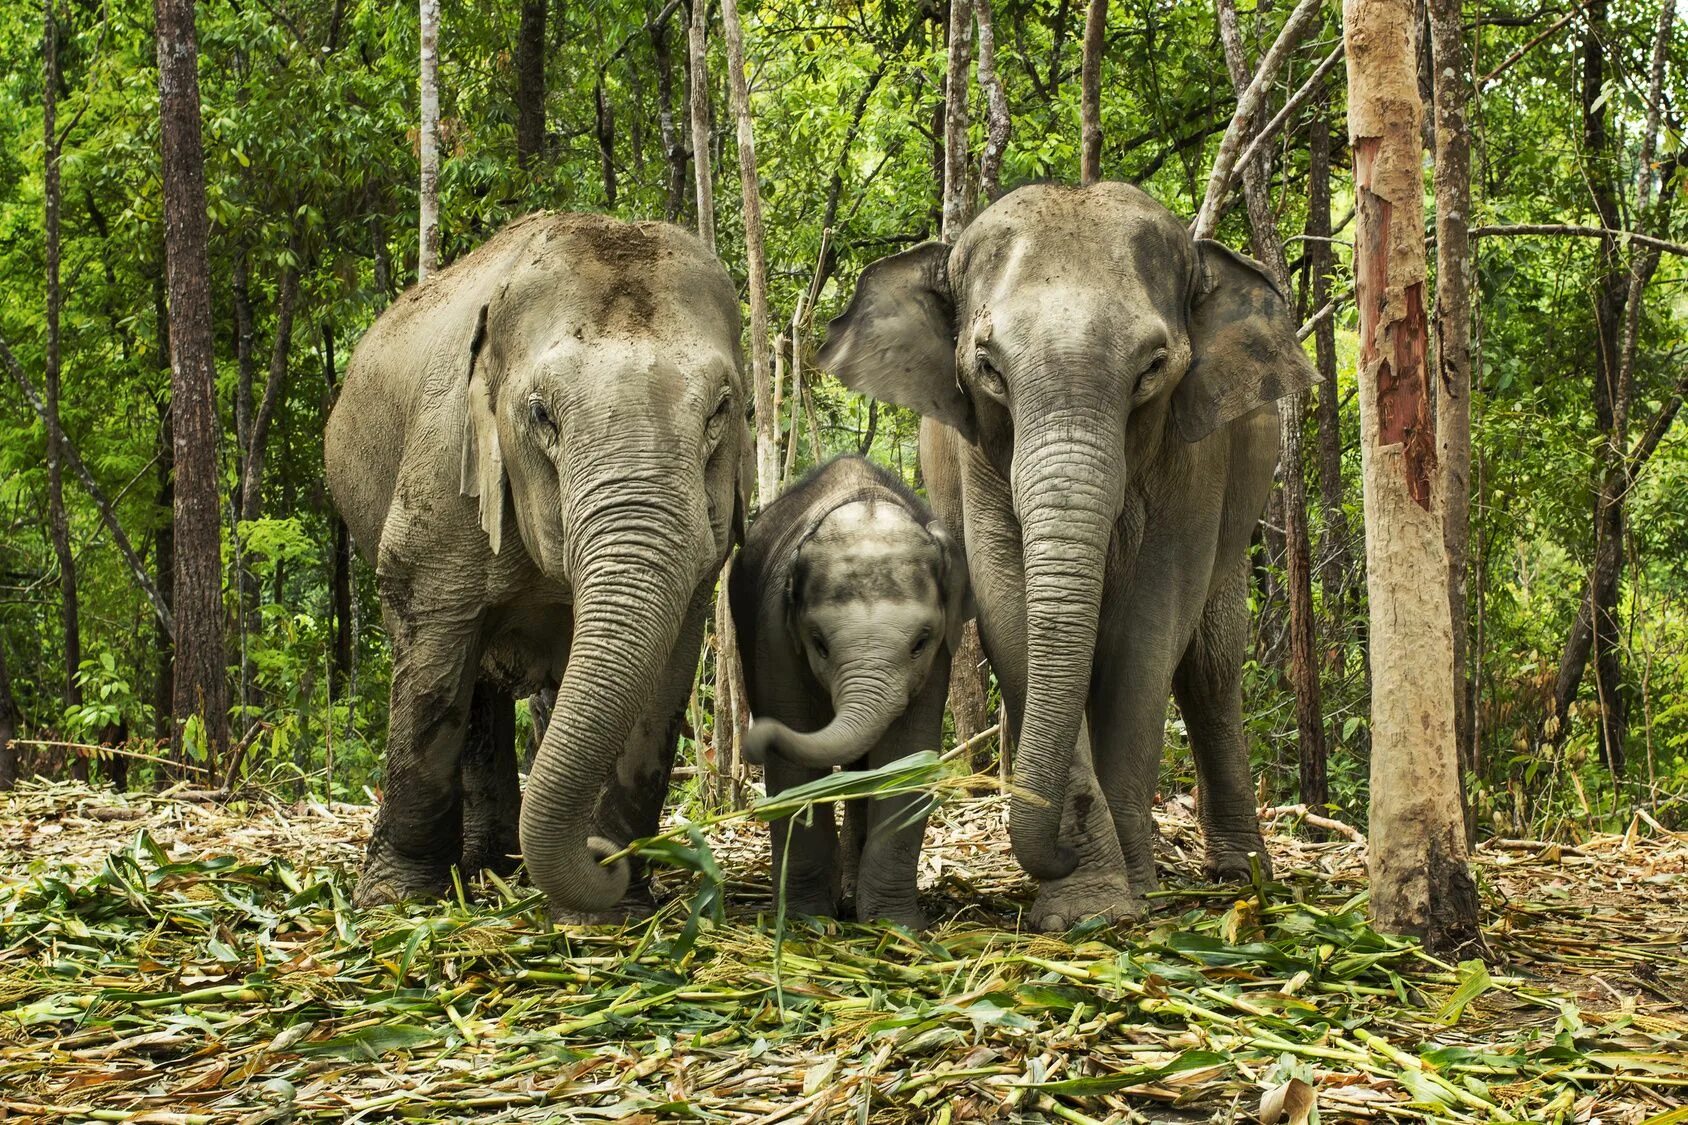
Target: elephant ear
(896, 341)
(1243, 350)
(483, 461)
(954, 584)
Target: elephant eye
(920, 642)
(717, 424)
(990, 377)
(820, 644)
(540, 415)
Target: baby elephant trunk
(863, 710)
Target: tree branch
(74, 460)
(1308, 89)
(1512, 229)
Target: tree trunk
(697, 83)
(957, 207)
(58, 519)
(340, 667)
(1090, 101)
(1452, 85)
(999, 124)
(969, 696)
(673, 149)
(604, 129)
(1420, 881)
(1335, 564)
(200, 687)
(8, 725)
(756, 262)
(1292, 410)
(428, 244)
(164, 538)
(530, 83)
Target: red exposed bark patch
(1403, 401)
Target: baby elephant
(848, 598)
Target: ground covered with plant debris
(170, 960)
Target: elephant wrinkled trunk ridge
(860, 722)
(1067, 515)
(625, 629)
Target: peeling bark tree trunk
(428, 245)
(1452, 85)
(697, 82)
(1420, 881)
(530, 83)
(1292, 410)
(756, 261)
(200, 684)
(959, 55)
(999, 125)
(1090, 93)
(58, 518)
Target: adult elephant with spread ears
(1096, 387)
(542, 449)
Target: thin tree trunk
(1090, 99)
(697, 82)
(428, 244)
(164, 538)
(8, 726)
(200, 687)
(340, 667)
(1292, 410)
(58, 519)
(959, 55)
(999, 124)
(604, 129)
(1335, 563)
(530, 83)
(673, 149)
(1420, 880)
(1452, 84)
(756, 262)
(1597, 626)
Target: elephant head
(605, 422)
(1077, 337)
(872, 599)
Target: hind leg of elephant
(492, 799)
(418, 829)
(1208, 688)
(630, 806)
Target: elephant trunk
(1067, 492)
(865, 708)
(631, 589)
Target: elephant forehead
(870, 577)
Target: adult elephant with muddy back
(541, 447)
(1096, 389)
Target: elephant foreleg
(1208, 688)
(418, 829)
(887, 887)
(492, 798)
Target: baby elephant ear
(954, 585)
(1243, 350)
(482, 472)
(896, 341)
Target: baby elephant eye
(540, 415)
(820, 644)
(920, 642)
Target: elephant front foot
(388, 879)
(1064, 903)
(1228, 858)
(499, 853)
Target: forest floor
(164, 960)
